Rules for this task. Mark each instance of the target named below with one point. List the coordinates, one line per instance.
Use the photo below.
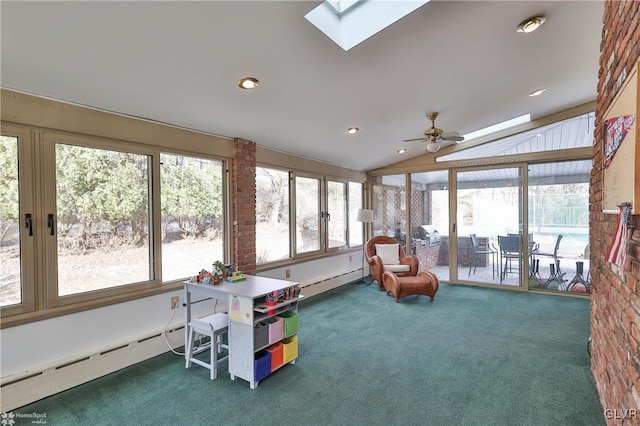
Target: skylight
(497, 127)
(348, 25)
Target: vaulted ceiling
(179, 62)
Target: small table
(243, 298)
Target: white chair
(215, 326)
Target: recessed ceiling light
(248, 83)
(402, 151)
(352, 130)
(538, 92)
(531, 24)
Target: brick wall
(615, 302)
(243, 200)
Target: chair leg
(189, 349)
(214, 357)
(473, 261)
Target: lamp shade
(365, 215)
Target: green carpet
(475, 356)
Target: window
(192, 214)
(102, 218)
(322, 217)
(308, 214)
(356, 234)
(17, 223)
(272, 215)
(83, 219)
(10, 275)
(337, 214)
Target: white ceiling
(178, 63)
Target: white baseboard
(18, 390)
(326, 284)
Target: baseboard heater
(21, 389)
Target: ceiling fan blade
(447, 142)
(452, 136)
(413, 140)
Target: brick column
(615, 299)
(243, 201)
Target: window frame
(38, 262)
(324, 249)
(27, 196)
(290, 199)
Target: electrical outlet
(174, 302)
(287, 273)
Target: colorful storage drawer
(260, 335)
(291, 322)
(262, 365)
(276, 352)
(276, 329)
(289, 349)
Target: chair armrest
(412, 261)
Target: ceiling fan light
(433, 146)
(531, 24)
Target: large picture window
(272, 215)
(192, 214)
(84, 219)
(102, 216)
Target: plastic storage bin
(291, 322)
(289, 349)
(260, 335)
(276, 355)
(262, 365)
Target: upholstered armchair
(385, 254)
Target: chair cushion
(397, 268)
(388, 253)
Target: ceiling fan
(435, 137)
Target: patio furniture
(554, 255)
(386, 254)
(509, 251)
(424, 283)
(477, 252)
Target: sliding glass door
(491, 248)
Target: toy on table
(236, 276)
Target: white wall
(40, 344)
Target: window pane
(559, 225)
(102, 201)
(307, 214)
(489, 206)
(192, 215)
(10, 279)
(430, 221)
(272, 215)
(355, 204)
(337, 224)
(389, 207)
